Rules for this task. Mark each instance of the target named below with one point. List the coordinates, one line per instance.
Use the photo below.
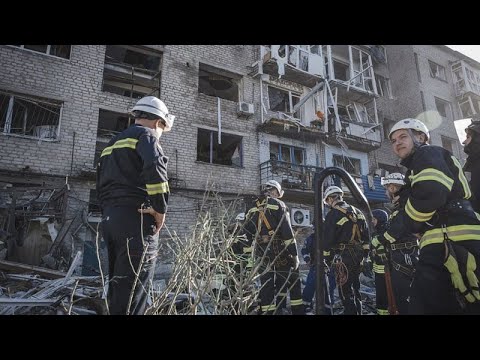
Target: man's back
(131, 163)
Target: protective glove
(380, 254)
(462, 265)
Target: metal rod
(73, 152)
(361, 202)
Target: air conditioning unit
(300, 217)
(245, 108)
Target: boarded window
(218, 83)
(29, 116)
(229, 152)
(132, 71)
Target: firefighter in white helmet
(403, 255)
(437, 209)
(346, 242)
(268, 225)
(132, 179)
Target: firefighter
(380, 221)
(437, 209)
(472, 149)
(268, 227)
(403, 255)
(132, 186)
(347, 244)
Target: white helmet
(412, 124)
(276, 185)
(155, 106)
(393, 178)
(332, 190)
(240, 217)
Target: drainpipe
(73, 152)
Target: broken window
(437, 71)
(283, 100)
(62, 51)
(341, 70)
(473, 80)
(358, 113)
(379, 53)
(286, 153)
(131, 71)
(469, 107)
(111, 123)
(362, 70)
(229, 152)
(443, 108)
(387, 126)
(217, 82)
(383, 86)
(29, 116)
(351, 165)
(447, 144)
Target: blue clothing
(307, 252)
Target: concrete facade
(76, 83)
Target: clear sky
(472, 51)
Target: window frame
(211, 134)
(47, 53)
(437, 72)
(6, 128)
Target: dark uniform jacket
(133, 170)
(275, 216)
(338, 227)
(473, 166)
(435, 185)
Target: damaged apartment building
(244, 114)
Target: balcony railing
(300, 177)
(290, 176)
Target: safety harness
(265, 239)
(352, 216)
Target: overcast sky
(472, 51)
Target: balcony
(297, 63)
(297, 182)
(466, 80)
